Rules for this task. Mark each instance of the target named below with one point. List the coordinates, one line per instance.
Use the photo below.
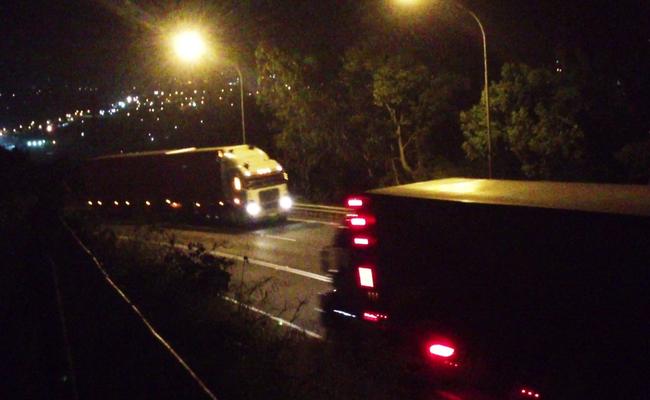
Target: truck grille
(269, 198)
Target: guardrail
(319, 212)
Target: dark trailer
(538, 285)
(240, 181)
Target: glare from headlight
(286, 202)
(253, 209)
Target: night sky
(102, 43)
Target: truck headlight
(286, 202)
(253, 209)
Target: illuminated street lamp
(190, 47)
(485, 72)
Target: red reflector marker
(373, 316)
(365, 277)
(370, 317)
(530, 393)
(441, 350)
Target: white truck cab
(256, 184)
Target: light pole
(241, 104)
(487, 88)
(485, 76)
(190, 47)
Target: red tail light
(356, 221)
(362, 241)
(441, 350)
(366, 277)
(356, 202)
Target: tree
(377, 120)
(534, 123)
(410, 108)
(396, 88)
(635, 157)
(305, 118)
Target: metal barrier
(318, 212)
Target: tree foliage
(635, 157)
(377, 120)
(534, 125)
(412, 102)
(305, 117)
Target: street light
(190, 47)
(485, 73)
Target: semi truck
(240, 183)
(525, 290)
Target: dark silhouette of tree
(534, 124)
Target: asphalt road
(282, 276)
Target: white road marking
(313, 221)
(261, 263)
(279, 320)
(273, 317)
(276, 267)
(276, 237)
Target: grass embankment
(240, 354)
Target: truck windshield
(256, 182)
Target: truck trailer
(525, 289)
(236, 182)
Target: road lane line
(276, 319)
(276, 237)
(277, 267)
(313, 221)
(279, 320)
(261, 263)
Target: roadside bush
(240, 353)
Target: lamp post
(485, 75)
(241, 104)
(487, 88)
(190, 47)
